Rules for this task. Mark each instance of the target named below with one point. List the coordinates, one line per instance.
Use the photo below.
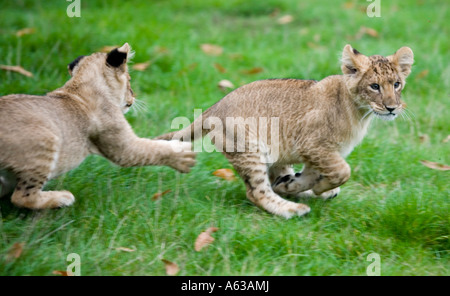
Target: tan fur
(42, 137)
(320, 122)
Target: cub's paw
(330, 194)
(290, 185)
(295, 209)
(56, 199)
(182, 157)
(326, 195)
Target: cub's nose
(390, 109)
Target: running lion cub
(317, 123)
(42, 137)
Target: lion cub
(42, 137)
(317, 123)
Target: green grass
(392, 205)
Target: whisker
(366, 114)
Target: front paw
(182, 157)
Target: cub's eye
(375, 86)
(396, 85)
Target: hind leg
(255, 175)
(28, 193)
(300, 184)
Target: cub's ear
(118, 56)
(72, 65)
(403, 59)
(353, 61)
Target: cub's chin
(387, 117)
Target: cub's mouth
(388, 116)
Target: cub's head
(107, 75)
(377, 81)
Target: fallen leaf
(252, 71)
(424, 138)
(211, 49)
(205, 239)
(422, 74)
(60, 272)
(236, 56)
(435, 165)
(125, 249)
(15, 251)
(220, 68)
(158, 195)
(25, 31)
(226, 174)
(285, 19)
(224, 84)
(446, 139)
(316, 37)
(171, 268)
(17, 69)
(366, 31)
(187, 69)
(348, 5)
(304, 31)
(108, 48)
(141, 66)
(313, 45)
(275, 12)
(161, 50)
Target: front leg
(334, 172)
(319, 179)
(120, 145)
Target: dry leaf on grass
(220, 68)
(25, 31)
(422, 74)
(158, 195)
(226, 174)
(171, 268)
(224, 84)
(123, 249)
(211, 49)
(205, 239)
(161, 50)
(366, 31)
(108, 48)
(285, 19)
(275, 12)
(141, 66)
(61, 272)
(15, 251)
(435, 165)
(252, 71)
(424, 138)
(446, 139)
(348, 5)
(17, 69)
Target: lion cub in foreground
(318, 123)
(42, 137)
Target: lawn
(392, 205)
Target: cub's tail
(191, 133)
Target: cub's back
(270, 97)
